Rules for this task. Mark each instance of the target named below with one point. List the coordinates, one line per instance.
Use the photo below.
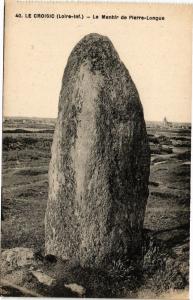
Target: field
(26, 156)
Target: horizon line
(33, 117)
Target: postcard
(96, 150)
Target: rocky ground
(25, 270)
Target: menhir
(99, 170)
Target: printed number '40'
(18, 16)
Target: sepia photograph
(96, 150)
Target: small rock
(12, 259)
(43, 278)
(76, 288)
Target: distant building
(166, 123)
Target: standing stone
(99, 170)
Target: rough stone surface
(12, 259)
(99, 170)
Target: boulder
(99, 169)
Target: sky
(156, 53)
